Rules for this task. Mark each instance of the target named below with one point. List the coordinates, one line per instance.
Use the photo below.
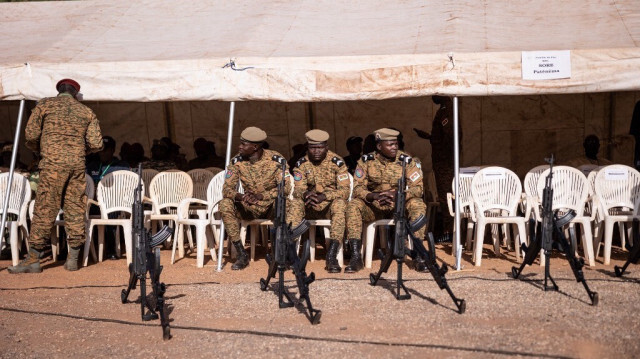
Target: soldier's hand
(250, 198)
(320, 197)
(422, 134)
(310, 198)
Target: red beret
(69, 82)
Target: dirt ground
(58, 314)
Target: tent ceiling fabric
(312, 50)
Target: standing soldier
(63, 130)
(321, 191)
(260, 172)
(375, 188)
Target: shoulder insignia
(367, 157)
(404, 158)
(301, 161)
(236, 159)
(278, 159)
(337, 161)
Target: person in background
(369, 144)
(205, 155)
(299, 150)
(62, 130)
(125, 152)
(591, 146)
(106, 162)
(137, 155)
(7, 150)
(354, 146)
(160, 157)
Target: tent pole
(14, 154)
(457, 248)
(232, 110)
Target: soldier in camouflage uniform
(160, 157)
(375, 188)
(321, 191)
(259, 171)
(63, 130)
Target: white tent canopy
(161, 50)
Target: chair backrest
(214, 170)
(618, 186)
(168, 188)
(586, 169)
(91, 187)
(20, 194)
(466, 175)
(201, 179)
(531, 180)
(115, 192)
(570, 188)
(147, 176)
(214, 192)
(496, 188)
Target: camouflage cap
(316, 137)
(253, 134)
(386, 134)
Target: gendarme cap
(71, 82)
(253, 134)
(386, 134)
(315, 137)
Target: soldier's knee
(339, 204)
(226, 205)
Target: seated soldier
(321, 191)
(260, 174)
(375, 188)
(591, 146)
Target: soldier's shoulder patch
(359, 172)
(301, 161)
(297, 175)
(367, 157)
(236, 159)
(228, 174)
(343, 177)
(415, 176)
(338, 161)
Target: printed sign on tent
(546, 65)
(616, 174)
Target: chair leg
(54, 245)
(587, 243)
(470, 229)
(520, 237)
(200, 244)
(312, 244)
(254, 237)
(128, 242)
(174, 245)
(478, 244)
(13, 240)
(87, 245)
(100, 242)
(608, 237)
(117, 244)
(370, 239)
(623, 235)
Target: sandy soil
(58, 314)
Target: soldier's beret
(68, 82)
(253, 134)
(386, 134)
(315, 137)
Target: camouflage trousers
(358, 212)
(59, 188)
(232, 212)
(444, 177)
(334, 210)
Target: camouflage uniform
(375, 173)
(63, 130)
(159, 165)
(260, 177)
(330, 177)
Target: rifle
(284, 254)
(146, 258)
(634, 251)
(550, 235)
(404, 228)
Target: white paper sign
(546, 65)
(618, 174)
(494, 174)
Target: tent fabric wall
(299, 51)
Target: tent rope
(232, 65)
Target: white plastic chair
(147, 176)
(326, 225)
(214, 195)
(201, 179)
(166, 190)
(466, 201)
(570, 192)
(214, 170)
(20, 196)
(618, 190)
(114, 194)
(496, 193)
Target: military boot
(332, 262)
(355, 264)
(420, 264)
(31, 264)
(72, 259)
(243, 259)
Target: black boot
(243, 260)
(420, 264)
(355, 264)
(332, 262)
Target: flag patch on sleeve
(414, 176)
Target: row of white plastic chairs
(493, 195)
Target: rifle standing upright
(284, 254)
(146, 259)
(404, 228)
(550, 235)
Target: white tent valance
(312, 50)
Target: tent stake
(14, 154)
(232, 109)
(457, 247)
